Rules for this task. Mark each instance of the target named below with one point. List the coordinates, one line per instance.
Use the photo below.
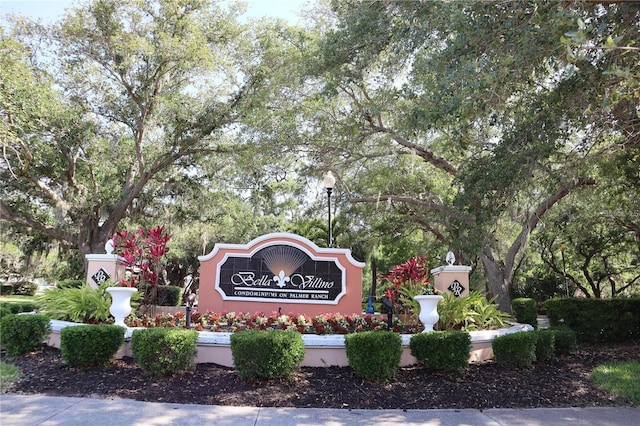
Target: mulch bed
(563, 382)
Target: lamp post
(329, 182)
(564, 269)
(190, 299)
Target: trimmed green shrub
(90, 345)
(28, 306)
(525, 311)
(172, 297)
(165, 351)
(23, 333)
(597, 320)
(5, 310)
(6, 289)
(166, 295)
(442, 350)
(25, 288)
(565, 340)
(545, 345)
(70, 283)
(12, 307)
(515, 350)
(16, 308)
(259, 354)
(19, 307)
(374, 355)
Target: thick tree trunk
(500, 274)
(499, 280)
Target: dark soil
(564, 382)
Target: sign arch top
(286, 238)
(280, 272)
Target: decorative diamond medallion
(100, 276)
(456, 288)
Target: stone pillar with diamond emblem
(102, 267)
(452, 278)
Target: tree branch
(377, 125)
(521, 241)
(424, 204)
(6, 213)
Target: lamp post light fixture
(329, 181)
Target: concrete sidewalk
(27, 410)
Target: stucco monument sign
(280, 272)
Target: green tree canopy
(466, 118)
(110, 111)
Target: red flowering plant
(142, 251)
(405, 281)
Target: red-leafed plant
(142, 251)
(405, 281)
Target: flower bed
(330, 323)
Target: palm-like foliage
(474, 312)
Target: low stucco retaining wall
(320, 351)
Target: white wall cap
(451, 268)
(108, 257)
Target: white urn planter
(428, 310)
(120, 303)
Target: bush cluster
(545, 345)
(525, 311)
(515, 350)
(70, 283)
(172, 297)
(85, 346)
(565, 340)
(25, 288)
(166, 295)
(374, 355)
(165, 351)
(518, 350)
(19, 288)
(266, 354)
(23, 333)
(7, 308)
(597, 320)
(442, 350)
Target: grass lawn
(620, 378)
(8, 374)
(17, 299)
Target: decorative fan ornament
(283, 261)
